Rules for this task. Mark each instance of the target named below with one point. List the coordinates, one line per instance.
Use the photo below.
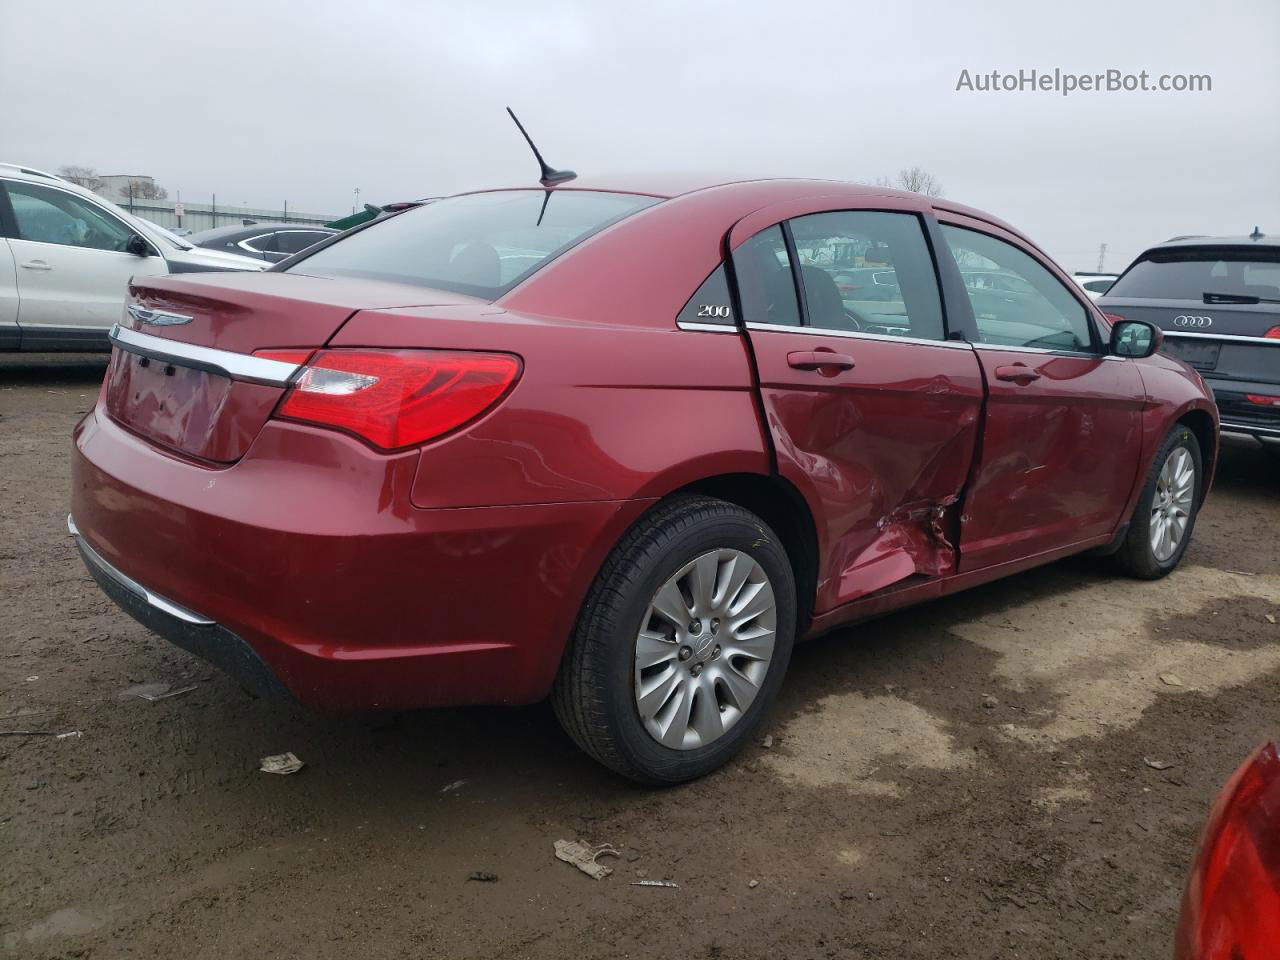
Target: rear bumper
(304, 569)
(1239, 416)
(187, 629)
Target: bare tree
(144, 190)
(86, 177)
(915, 179)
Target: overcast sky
(273, 100)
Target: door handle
(817, 359)
(1018, 373)
(36, 265)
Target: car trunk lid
(183, 373)
(1230, 339)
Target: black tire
(1136, 556)
(594, 696)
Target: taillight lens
(397, 398)
(1273, 333)
(1262, 401)
(1231, 908)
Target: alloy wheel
(703, 649)
(1171, 503)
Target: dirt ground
(965, 779)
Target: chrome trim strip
(245, 244)
(1240, 430)
(707, 327)
(854, 335)
(1228, 337)
(159, 318)
(1044, 350)
(133, 586)
(237, 366)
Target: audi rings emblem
(1182, 320)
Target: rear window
(481, 244)
(1188, 274)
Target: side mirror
(1135, 338)
(138, 246)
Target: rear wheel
(1166, 511)
(681, 644)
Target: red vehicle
(1231, 907)
(619, 444)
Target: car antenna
(1256, 235)
(550, 175)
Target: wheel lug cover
(695, 627)
(685, 653)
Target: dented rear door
(873, 414)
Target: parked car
(629, 474)
(1218, 301)
(68, 261)
(272, 242)
(1231, 906)
(1094, 284)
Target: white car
(1095, 284)
(66, 256)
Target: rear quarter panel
(601, 411)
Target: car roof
(19, 172)
(754, 192)
(1237, 241)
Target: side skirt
(915, 591)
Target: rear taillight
(1262, 401)
(1231, 907)
(395, 398)
(1273, 333)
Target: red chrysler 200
(619, 444)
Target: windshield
(166, 234)
(480, 244)
(1188, 274)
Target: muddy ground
(966, 779)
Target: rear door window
(294, 241)
(1190, 273)
(868, 271)
(265, 243)
(765, 283)
(480, 244)
(1016, 301)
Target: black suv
(1218, 302)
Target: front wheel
(681, 644)
(1166, 512)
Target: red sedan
(622, 444)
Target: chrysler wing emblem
(157, 318)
